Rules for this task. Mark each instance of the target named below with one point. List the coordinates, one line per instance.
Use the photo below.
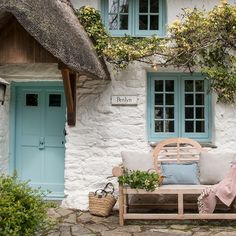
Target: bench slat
(169, 189)
(164, 159)
(167, 216)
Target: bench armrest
(117, 171)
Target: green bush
(22, 209)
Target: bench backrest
(176, 150)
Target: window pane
(143, 6)
(169, 85)
(158, 99)
(199, 85)
(32, 100)
(54, 100)
(124, 6)
(159, 113)
(188, 85)
(143, 22)
(170, 126)
(123, 22)
(154, 22)
(199, 99)
(189, 113)
(200, 113)
(154, 6)
(169, 99)
(170, 113)
(158, 85)
(200, 126)
(188, 99)
(113, 6)
(189, 127)
(113, 22)
(159, 126)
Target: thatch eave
(54, 25)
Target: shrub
(22, 209)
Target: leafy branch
(197, 40)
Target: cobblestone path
(76, 223)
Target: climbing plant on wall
(197, 40)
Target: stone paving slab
(78, 223)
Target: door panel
(54, 137)
(28, 161)
(40, 121)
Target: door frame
(12, 114)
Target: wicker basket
(102, 201)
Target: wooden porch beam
(69, 81)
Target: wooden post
(180, 204)
(121, 205)
(69, 81)
(125, 203)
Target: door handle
(41, 143)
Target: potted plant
(141, 179)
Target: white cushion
(214, 166)
(137, 160)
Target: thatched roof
(54, 25)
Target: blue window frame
(179, 105)
(134, 17)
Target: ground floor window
(179, 105)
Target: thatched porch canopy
(54, 25)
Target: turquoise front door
(40, 140)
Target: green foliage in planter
(22, 209)
(140, 180)
(198, 40)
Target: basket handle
(105, 190)
(109, 185)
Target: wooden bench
(176, 150)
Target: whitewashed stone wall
(174, 8)
(4, 135)
(102, 131)
(79, 3)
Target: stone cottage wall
(173, 8)
(102, 131)
(4, 135)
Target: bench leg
(125, 203)
(180, 204)
(121, 206)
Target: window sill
(203, 144)
(137, 36)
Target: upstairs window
(179, 105)
(134, 17)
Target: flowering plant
(140, 179)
